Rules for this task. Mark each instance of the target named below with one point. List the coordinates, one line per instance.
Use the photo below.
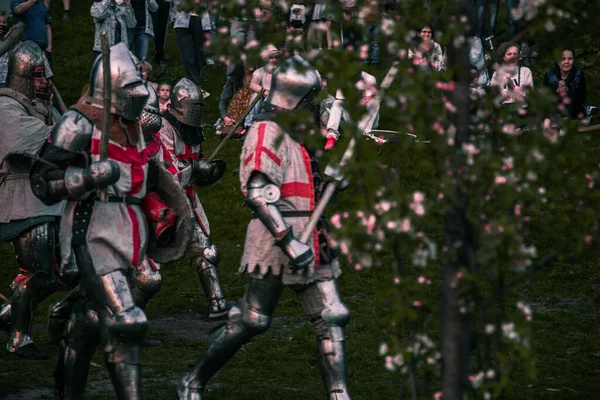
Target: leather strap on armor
(121, 130)
(133, 201)
(291, 214)
(36, 110)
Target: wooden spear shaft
(236, 125)
(106, 106)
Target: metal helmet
(187, 103)
(294, 84)
(151, 121)
(128, 90)
(27, 72)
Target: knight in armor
(182, 136)
(145, 279)
(108, 238)
(276, 174)
(29, 224)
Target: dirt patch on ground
(187, 326)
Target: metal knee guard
(206, 257)
(60, 313)
(146, 281)
(35, 252)
(335, 314)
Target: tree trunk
(458, 254)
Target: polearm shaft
(59, 99)
(331, 187)
(326, 196)
(588, 129)
(106, 106)
(236, 125)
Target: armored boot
(332, 363)
(207, 258)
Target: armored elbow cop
(75, 182)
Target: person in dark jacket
(567, 80)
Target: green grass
(282, 363)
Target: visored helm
(151, 121)
(294, 84)
(128, 90)
(27, 72)
(187, 103)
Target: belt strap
(118, 199)
(293, 213)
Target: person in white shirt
(511, 80)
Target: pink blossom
(500, 180)
(591, 180)
(336, 221)
(417, 303)
(517, 209)
(438, 395)
(588, 240)
(418, 197)
(370, 224)
(358, 267)
(421, 279)
(405, 227)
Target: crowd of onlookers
(309, 26)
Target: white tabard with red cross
(287, 164)
(182, 154)
(117, 233)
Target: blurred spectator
(320, 25)
(35, 15)
(567, 81)
(261, 78)
(477, 60)
(66, 6)
(146, 69)
(351, 30)
(160, 21)
(112, 17)
(4, 31)
(190, 40)
(426, 51)
(511, 79)
(164, 96)
(297, 18)
(372, 16)
(237, 75)
(139, 36)
(209, 26)
(485, 9)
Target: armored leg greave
(83, 336)
(206, 258)
(322, 305)
(35, 252)
(122, 324)
(250, 317)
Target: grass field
(282, 363)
